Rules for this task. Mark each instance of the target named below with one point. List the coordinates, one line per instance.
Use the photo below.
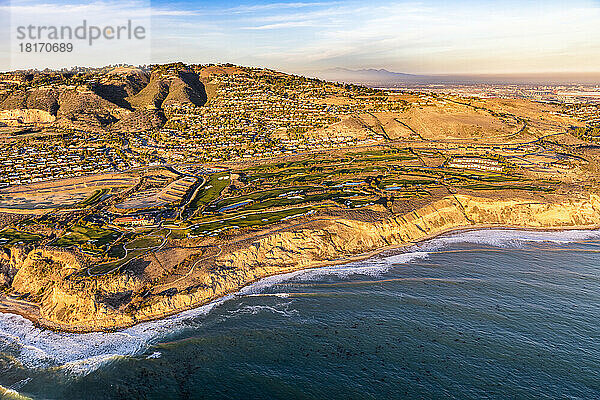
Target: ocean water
(500, 314)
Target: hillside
(117, 99)
(130, 194)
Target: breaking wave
(80, 354)
(508, 238)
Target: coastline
(43, 323)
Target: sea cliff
(56, 293)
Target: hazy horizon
(508, 78)
(418, 37)
(539, 78)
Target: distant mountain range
(382, 77)
(369, 76)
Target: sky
(422, 37)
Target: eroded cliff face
(346, 237)
(534, 214)
(52, 279)
(71, 301)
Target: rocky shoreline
(59, 303)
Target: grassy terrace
(131, 246)
(114, 265)
(257, 219)
(211, 191)
(12, 236)
(144, 242)
(323, 163)
(336, 196)
(384, 155)
(313, 175)
(404, 180)
(89, 237)
(260, 196)
(352, 180)
(454, 174)
(283, 197)
(269, 193)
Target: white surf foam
(508, 238)
(376, 266)
(502, 238)
(156, 354)
(82, 353)
(283, 309)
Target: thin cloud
(282, 25)
(412, 36)
(276, 6)
(173, 13)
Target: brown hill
(206, 72)
(81, 101)
(140, 120)
(45, 99)
(119, 84)
(186, 88)
(170, 88)
(151, 96)
(122, 98)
